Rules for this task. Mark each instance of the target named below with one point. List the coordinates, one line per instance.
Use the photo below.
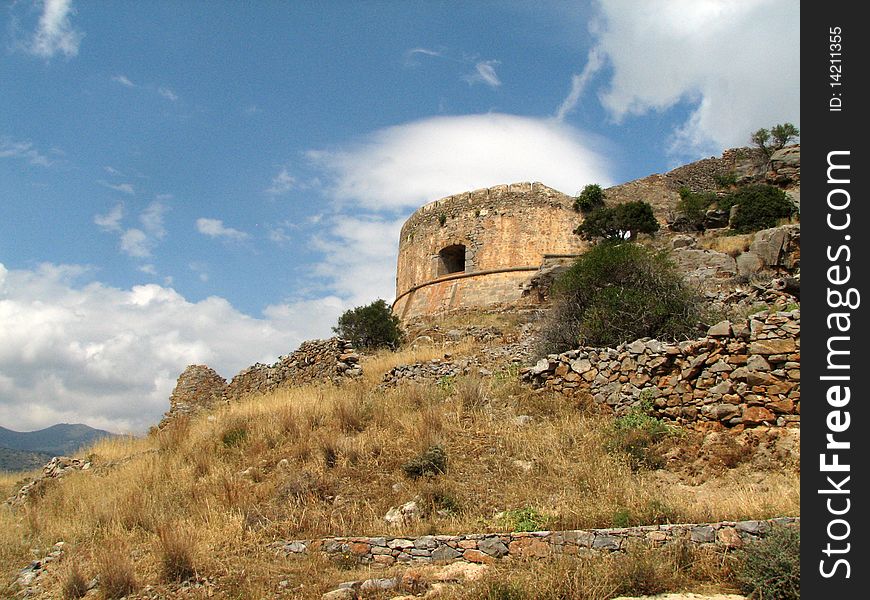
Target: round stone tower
(482, 247)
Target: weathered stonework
(379, 552)
(500, 236)
(502, 244)
(742, 374)
(201, 388)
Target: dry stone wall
(201, 388)
(742, 374)
(488, 547)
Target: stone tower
(482, 247)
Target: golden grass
(320, 461)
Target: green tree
(623, 221)
(370, 327)
(693, 206)
(590, 198)
(619, 292)
(769, 141)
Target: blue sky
(214, 182)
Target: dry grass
(640, 571)
(732, 245)
(306, 462)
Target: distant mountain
(57, 440)
(22, 460)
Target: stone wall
(742, 374)
(201, 388)
(487, 547)
(316, 360)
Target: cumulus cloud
(109, 357)
(484, 72)
(407, 165)
(215, 228)
(152, 219)
(55, 33)
(135, 243)
(360, 254)
(736, 63)
(10, 148)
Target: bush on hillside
(618, 222)
(693, 206)
(590, 198)
(771, 568)
(759, 206)
(619, 292)
(370, 327)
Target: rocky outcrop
(199, 387)
(56, 468)
(742, 374)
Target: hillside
(57, 440)
(468, 463)
(21, 460)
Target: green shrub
(770, 569)
(725, 180)
(619, 292)
(370, 327)
(693, 206)
(589, 199)
(432, 461)
(235, 436)
(526, 519)
(636, 436)
(759, 206)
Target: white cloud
(152, 219)
(122, 79)
(167, 93)
(215, 228)
(55, 33)
(126, 188)
(149, 269)
(111, 221)
(109, 357)
(360, 257)
(9, 148)
(282, 183)
(579, 83)
(411, 55)
(484, 72)
(408, 165)
(135, 243)
(737, 63)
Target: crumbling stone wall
(201, 388)
(742, 374)
(505, 230)
(315, 360)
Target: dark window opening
(451, 260)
